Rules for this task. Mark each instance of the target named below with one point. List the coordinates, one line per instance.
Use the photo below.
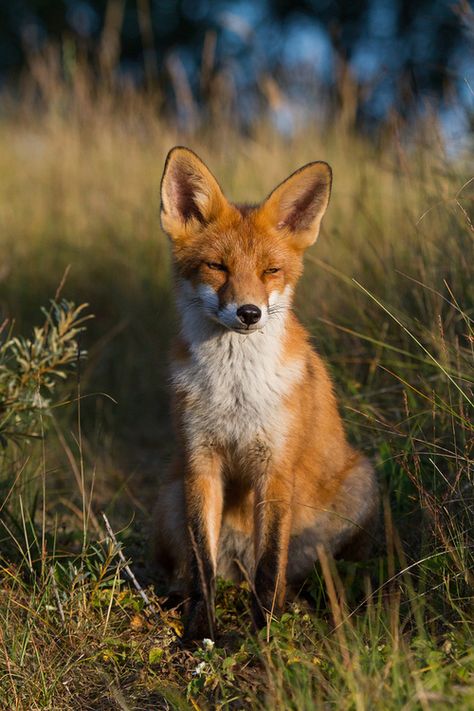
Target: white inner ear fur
(173, 188)
(289, 202)
(201, 196)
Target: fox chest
(234, 392)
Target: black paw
(200, 623)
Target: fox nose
(249, 314)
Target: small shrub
(31, 368)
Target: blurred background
(296, 60)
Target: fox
(263, 474)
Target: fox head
(237, 264)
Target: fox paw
(201, 622)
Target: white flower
(199, 669)
(207, 644)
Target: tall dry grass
(387, 294)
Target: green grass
(387, 294)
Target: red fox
(264, 473)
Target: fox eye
(217, 266)
(272, 270)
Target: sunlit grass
(388, 296)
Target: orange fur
(265, 473)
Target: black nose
(249, 314)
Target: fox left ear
(190, 195)
(296, 207)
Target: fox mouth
(245, 330)
(242, 329)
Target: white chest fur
(235, 384)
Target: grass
(388, 297)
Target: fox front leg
(272, 519)
(204, 499)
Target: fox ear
(296, 207)
(190, 195)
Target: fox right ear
(190, 195)
(296, 207)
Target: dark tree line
(403, 50)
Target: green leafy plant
(31, 368)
